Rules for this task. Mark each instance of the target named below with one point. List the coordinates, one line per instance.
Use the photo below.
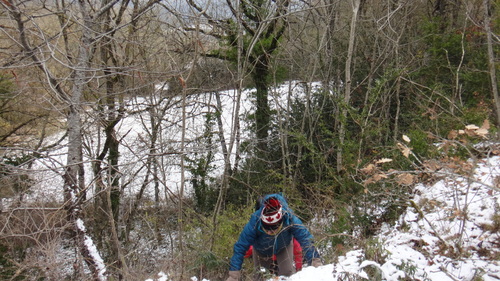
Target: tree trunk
(73, 177)
(224, 186)
(491, 57)
(260, 76)
(348, 82)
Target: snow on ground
(416, 245)
(135, 128)
(454, 214)
(449, 237)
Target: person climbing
(297, 256)
(270, 231)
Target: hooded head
(271, 214)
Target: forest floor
(450, 232)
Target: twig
(447, 273)
(419, 211)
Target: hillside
(449, 231)
(452, 232)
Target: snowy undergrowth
(450, 232)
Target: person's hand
(234, 275)
(316, 262)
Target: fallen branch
(421, 214)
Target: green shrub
(7, 269)
(340, 228)
(211, 260)
(375, 251)
(420, 144)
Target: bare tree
(491, 56)
(348, 83)
(73, 176)
(69, 74)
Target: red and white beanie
(272, 212)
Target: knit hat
(272, 212)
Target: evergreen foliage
(419, 72)
(200, 166)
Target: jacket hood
(278, 196)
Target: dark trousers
(284, 263)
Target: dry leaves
(368, 169)
(376, 174)
(373, 170)
(406, 179)
(375, 178)
(432, 165)
(383, 160)
(472, 131)
(404, 149)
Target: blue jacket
(268, 245)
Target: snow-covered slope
(451, 232)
